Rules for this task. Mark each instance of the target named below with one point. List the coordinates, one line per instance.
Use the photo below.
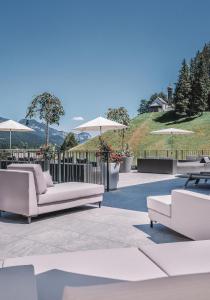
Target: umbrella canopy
(100, 124)
(11, 125)
(172, 131)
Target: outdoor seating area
(77, 246)
(88, 249)
(105, 150)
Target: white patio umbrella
(11, 126)
(172, 132)
(100, 124)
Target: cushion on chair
(205, 159)
(192, 287)
(48, 179)
(161, 204)
(127, 264)
(70, 191)
(40, 183)
(180, 258)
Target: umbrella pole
(10, 139)
(172, 144)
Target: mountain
(31, 139)
(55, 136)
(139, 138)
(83, 137)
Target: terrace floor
(121, 222)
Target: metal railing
(177, 154)
(64, 166)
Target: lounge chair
(183, 211)
(196, 177)
(24, 191)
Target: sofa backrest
(190, 214)
(40, 182)
(18, 283)
(184, 287)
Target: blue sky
(94, 54)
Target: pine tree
(206, 56)
(182, 91)
(199, 86)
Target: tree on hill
(69, 142)
(156, 95)
(206, 56)
(121, 116)
(200, 86)
(182, 90)
(48, 108)
(143, 107)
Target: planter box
(126, 164)
(158, 166)
(113, 175)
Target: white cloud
(77, 118)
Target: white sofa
(24, 191)
(175, 271)
(183, 211)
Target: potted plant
(47, 153)
(127, 160)
(113, 158)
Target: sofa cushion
(161, 204)
(181, 258)
(48, 179)
(70, 191)
(40, 183)
(18, 283)
(117, 264)
(191, 287)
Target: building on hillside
(159, 105)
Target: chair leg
(99, 204)
(151, 224)
(29, 220)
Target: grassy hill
(139, 138)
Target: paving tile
(55, 237)
(25, 247)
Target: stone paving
(121, 222)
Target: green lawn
(139, 138)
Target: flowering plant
(126, 152)
(105, 151)
(47, 152)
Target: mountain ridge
(36, 138)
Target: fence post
(29, 156)
(107, 171)
(59, 166)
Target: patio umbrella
(11, 126)
(172, 132)
(100, 124)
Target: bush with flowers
(105, 151)
(47, 152)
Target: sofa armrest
(190, 214)
(18, 193)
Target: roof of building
(158, 102)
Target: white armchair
(183, 211)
